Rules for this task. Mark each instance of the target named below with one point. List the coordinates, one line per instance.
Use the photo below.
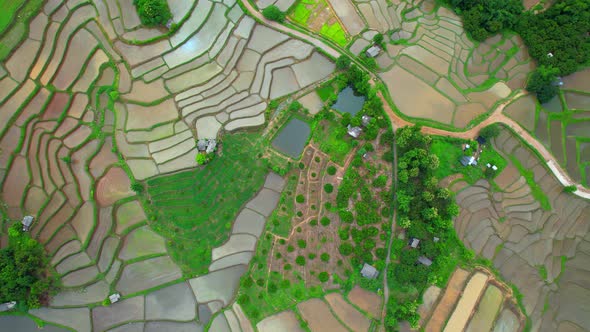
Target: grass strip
(536, 190)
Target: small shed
(369, 271)
(202, 145)
(414, 242)
(495, 168)
(468, 160)
(436, 239)
(354, 131)
(27, 222)
(365, 120)
(7, 306)
(373, 51)
(424, 260)
(114, 298)
(211, 146)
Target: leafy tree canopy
(273, 13)
(25, 275)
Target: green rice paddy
(9, 10)
(334, 32)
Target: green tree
(331, 170)
(300, 260)
(490, 131)
(273, 13)
(343, 62)
(325, 257)
(542, 83)
(329, 188)
(153, 12)
(323, 276)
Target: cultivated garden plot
(534, 233)
(91, 103)
(432, 70)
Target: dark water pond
(25, 324)
(292, 138)
(348, 102)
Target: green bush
(345, 249)
(325, 221)
(153, 12)
(380, 181)
(273, 13)
(325, 257)
(300, 199)
(323, 276)
(301, 243)
(490, 131)
(313, 222)
(570, 189)
(331, 169)
(329, 188)
(290, 248)
(300, 260)
(312, 256)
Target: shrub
(301, 243)
(287, 267)
(313, 222)
(570, 189)
(301, 166)
(300, 199)
(331, 169)
(323, 276)
(325, 221)
(346, 216)
(137, 187)
(273, 13)
(290, 248)
(201, 159)
(311, 256)
(329, 188)
(325, 257)
(300, 260)
(380, 181)
(153, 12)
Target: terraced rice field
(432, 70)
(562, 124)
(92, 102)
(542, 252)
(472, 301)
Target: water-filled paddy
(348, 102)
(25, 324)
(292, 138)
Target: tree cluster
(425, 210)
(153, 12)
(25, 275)
(558, 38)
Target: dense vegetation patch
(557, 37)
(25, 275)
(425, 211)
(153, 12)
